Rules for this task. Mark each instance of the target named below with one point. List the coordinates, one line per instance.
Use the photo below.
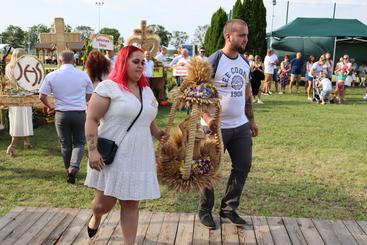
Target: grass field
(309, 161)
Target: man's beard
(238, 48)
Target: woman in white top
(97, 67)
(309, 65)
(132, 176)
(20, 117)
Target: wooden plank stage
(27, 225)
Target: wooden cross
(59, 37)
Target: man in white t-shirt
(176, 58)
(270, 61)
(148, 66)
(162, 56)
(185, 58)
(231, 78)
(71, 89)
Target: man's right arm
(45, 90)
(213, 60)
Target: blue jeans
(70, 129)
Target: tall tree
(111, 31)
(34, 31)
(254, 13)
(85, 31)
(14, 35)
(199, 35)
(259, 28)
(236, 11)
(247, 14)
(179, 38)
(214, 39)
(162, 33)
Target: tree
(214, 39)
(259, 28)
(34, 31)
(253, 12)
(111, 31)
(162, 33)
(199, 35)
(236, 10)
(14, 35)
(85, 32)
(179, 38)
(68, 28)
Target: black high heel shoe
(91, 232)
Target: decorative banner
(102, 41)
(180, 71)
(29, 73)
(158, 71)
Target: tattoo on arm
(92, 143)
(248, 109)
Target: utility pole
(99, 5)
(286, 17)
(272, 17)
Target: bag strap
(141, 109)
(137, 116)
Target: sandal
(11, 150)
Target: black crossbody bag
(108, 148)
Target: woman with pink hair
(117, 102)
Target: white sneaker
(309, 98)
(269, 92)
(365, 97)
(255, 101)
(260, 102)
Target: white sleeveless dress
(20, 117)
(132, 175)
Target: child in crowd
(326, 87)
(285, 68)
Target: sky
(174, 15)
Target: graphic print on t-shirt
(234, 79)
(231, 78)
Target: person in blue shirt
(296, 69)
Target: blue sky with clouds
(186, 15)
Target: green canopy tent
(320, 35)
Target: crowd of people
(112, 100)
(113, 96)
(290, 72)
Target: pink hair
(119, 72)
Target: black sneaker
(206, 219)
(233, 217)
(71, 175)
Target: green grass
(309, 161)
